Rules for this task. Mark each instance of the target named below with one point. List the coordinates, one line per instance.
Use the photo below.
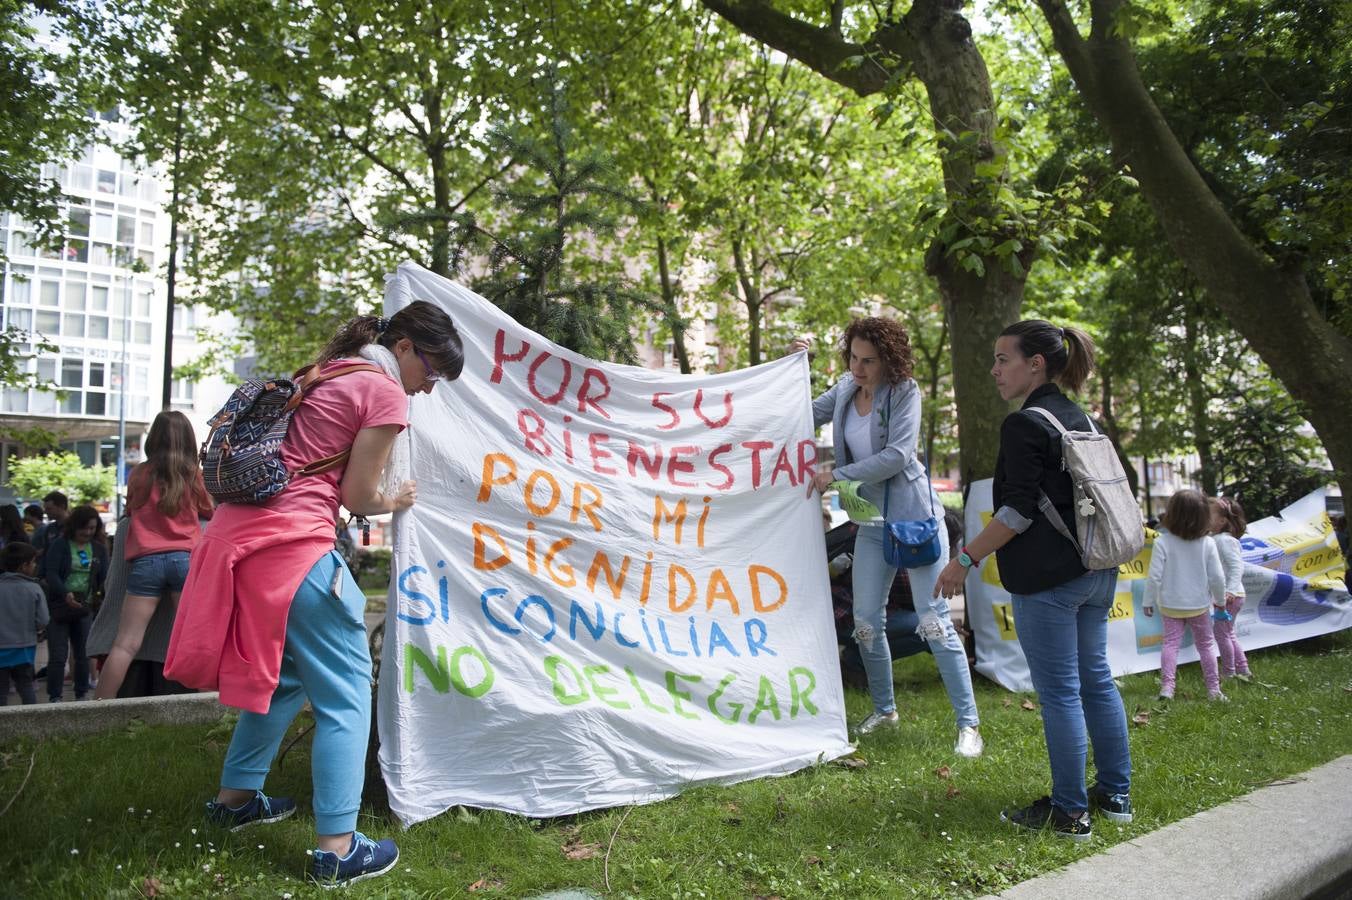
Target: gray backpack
(1106, 514)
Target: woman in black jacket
(74, 567)
(1060, 608)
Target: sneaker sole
(329, 885)
(267, 821)
(1123, 818)
(1047, 830)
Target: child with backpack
(1227, 527)
(23, 615)
(1185, 582)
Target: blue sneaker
(366, 859)
(260, 810)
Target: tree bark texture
(933, 40)
(1269, 306)
(673, 312)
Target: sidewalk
(1291, 839)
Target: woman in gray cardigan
(875, 417)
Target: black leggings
(22, 676)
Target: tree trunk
(1110, 428)
(751, 298)
(1197, 399)
(933, 40)
(1269, 306)
(171, 279)
(673, 322)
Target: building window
(185, 320)
(181, 396)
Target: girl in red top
(166, 499)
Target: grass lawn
(120, 814)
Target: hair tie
(382, 323)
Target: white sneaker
(878, 720)
(969, 742)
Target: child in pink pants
(1227, 527)
(1185, 581)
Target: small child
(1187, 579)
(23, 614)
(1227, 527)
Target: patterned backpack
(242, 455)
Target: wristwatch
(966, 561)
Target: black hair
(79, 517)
(58, 498)
(14, 556)
(11, 523)
(1069, 352)
(428, 326)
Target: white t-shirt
(856, 434)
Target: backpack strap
(307, 378)
(1044, 503)
(1057, 422)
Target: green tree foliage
(560, 194)
(1265, 457)
(34, 476)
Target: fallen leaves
(1142, 717)
(484, 884)
(952, 791)
(1028, 705)
(944, 772)
(575, 849)
(151, 887)
(852, 762)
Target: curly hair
(889, 338)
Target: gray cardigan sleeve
(903, 429)
(824, 407)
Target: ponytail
(427, 326)
(1069, 352)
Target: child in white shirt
(1227, 527)
(1185, 581)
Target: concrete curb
(1291, 839)
(44, 720)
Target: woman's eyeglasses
(431, 375)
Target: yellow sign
(1004, 620)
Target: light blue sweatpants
(326, 660)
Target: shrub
(34, 476)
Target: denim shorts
(151, 576)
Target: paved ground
(1291, 839)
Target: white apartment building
(100, 299)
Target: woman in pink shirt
(166, 499)
(271, 616)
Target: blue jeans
(1064, 635)
(325, 659)
(65, 637)
(872, 581)
(151, 576)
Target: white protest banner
(613, 585)
(1293, 582)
